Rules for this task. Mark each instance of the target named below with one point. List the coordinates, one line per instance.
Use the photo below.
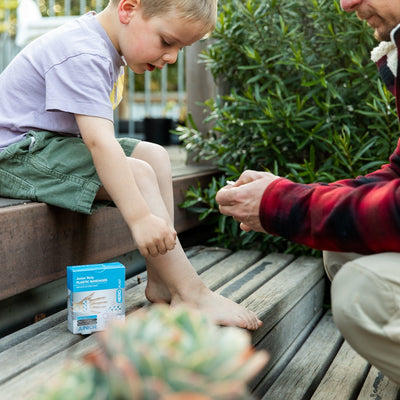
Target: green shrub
(304, 101)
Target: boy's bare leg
(157, 157)
(171, 277)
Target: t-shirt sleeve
(81, 84)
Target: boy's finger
(161, 248)
(153, 251)
(144, 252)
(170, 244)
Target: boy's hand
(153, 235)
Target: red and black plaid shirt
(357, 215)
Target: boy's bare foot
(156, 290)
(220, 309)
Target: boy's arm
(152, 234)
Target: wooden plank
(229, 268)
(287, 330)
(207, 257)
(378, 387)
(33, 351)
(274, 299)
(306, 369)
(26, 384)
(283, 361)
(36, 253)
(255, 276)
(43, 239)
(6, 202)
(28, 332)
(193, 250)
(345, 376)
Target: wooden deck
(309, 359)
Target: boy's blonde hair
(192, 10)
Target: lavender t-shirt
(74, 69)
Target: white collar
(388, 49)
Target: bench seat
(38, 241)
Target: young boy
(57, 141)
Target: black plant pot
(157, 130)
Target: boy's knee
(148, 150)
(141, 170)
(155, 155)
(162, 157)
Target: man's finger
(226, 210)
(245, 227)
(226, 197)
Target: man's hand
(242, 200)
(153, 235)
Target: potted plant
(163, 353)
(158, 129)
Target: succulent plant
(163, 353)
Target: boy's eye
(164, 42)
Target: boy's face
(151, 43)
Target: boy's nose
(350, 5)
(171, 56)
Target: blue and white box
(96, 295)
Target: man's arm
(359, 216)
(152, 234)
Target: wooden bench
(38, 241)
(309, 359)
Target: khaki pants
(365, 297)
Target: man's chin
(383, 35)
(382, 38)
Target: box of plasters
(96, 295)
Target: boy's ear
(126, 10)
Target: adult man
(356, 221)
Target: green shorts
(54, 169)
